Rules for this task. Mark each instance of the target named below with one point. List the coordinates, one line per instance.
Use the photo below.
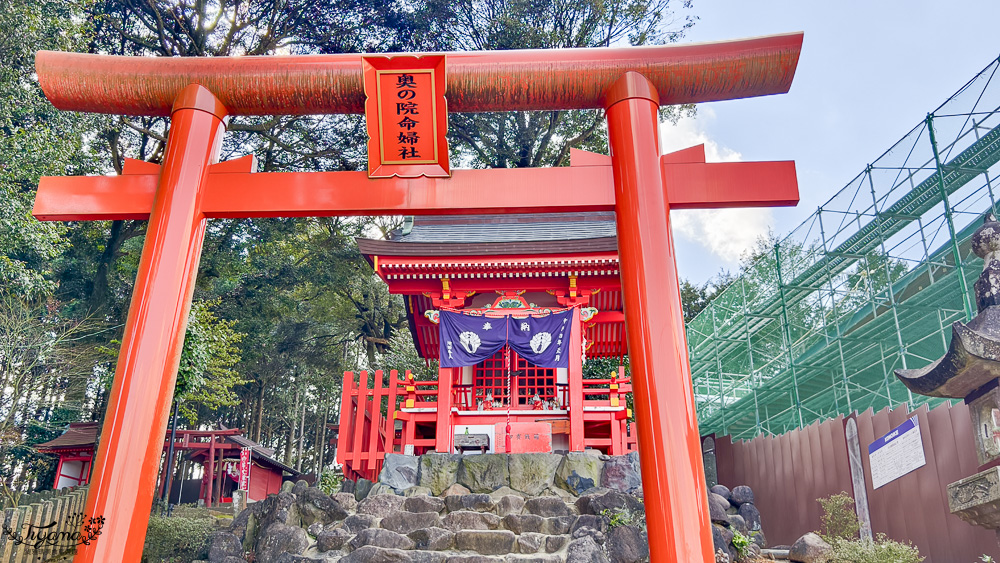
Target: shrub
(177, 539)
(742, 545)
(839, 520)
(329, 482)
(624, 517)
(882, 550)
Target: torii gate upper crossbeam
(541, 79)
(641, 186)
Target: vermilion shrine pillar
(576, 437)
(444, 432)
(669, 446)
(136, 418)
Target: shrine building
(216, 452)
(527, 300)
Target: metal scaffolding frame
(869, 283)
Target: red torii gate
(200, 93)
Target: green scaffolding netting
(869, 283)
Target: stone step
(378, 555)
(485, 542)
(776, 554)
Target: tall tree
(532, 139)
(35, 139)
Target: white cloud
(725, 233)
(690, 132)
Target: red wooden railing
(373, 421)
(366, 430)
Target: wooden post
(209, 481)
(390, 417)
(376, 422)
(218, 476)
(345, 433)
(359, 421)
(576, 438)
(55, 484)
(45, 550)
(444, 433)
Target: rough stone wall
(302, 524)
(528, 474)
(441, 508)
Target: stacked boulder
(444, 508)
(734, 511)
(302, 524)
(564, 475)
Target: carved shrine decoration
(199, 94)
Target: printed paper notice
(896, 454)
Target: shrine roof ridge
(544, 79)
(520, 227)
(370, 247)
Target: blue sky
(868, 73)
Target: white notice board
(896, 454)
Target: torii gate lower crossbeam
(641, 188)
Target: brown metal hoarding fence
(789, 472)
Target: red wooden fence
(381, 414)
(789, 472)
(367, 422)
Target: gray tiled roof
(260, 452)
(509, 228)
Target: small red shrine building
(217, 451)
(527, 265)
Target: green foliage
(840, 529)
(39, 351)
(205, 377)
(694, 298)
(330, 481)
(177, 539)
(882, 550)
(35, 140)
(401, 355)
(541, 138)
(742, 545)
(623, 517)
(839, 520)
(602, 368)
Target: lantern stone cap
(972, 360)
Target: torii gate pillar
(146, 373)
(673, 477)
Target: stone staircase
(305, 525)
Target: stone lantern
(970, 370)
